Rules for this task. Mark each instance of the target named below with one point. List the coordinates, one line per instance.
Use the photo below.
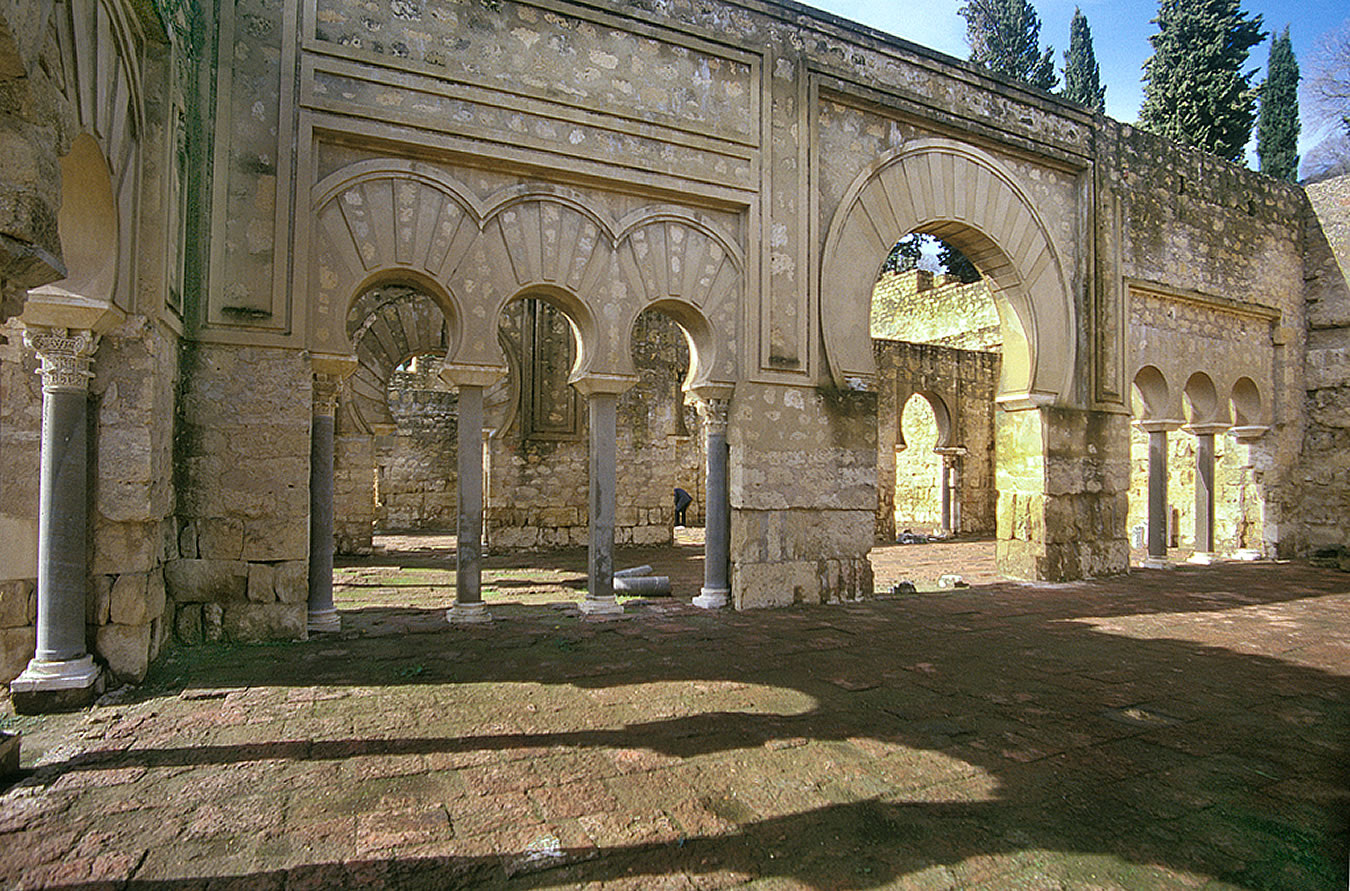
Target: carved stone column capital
(714, 411)
(66, 356)
(327, 388)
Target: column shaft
(945, 484)
(717, 520)
(61, 673)
(1157, 495)
(468, 606)
(600, 560)
(62, 525)
(1204, 494)
(322, 614)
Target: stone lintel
(709, 391)
(1159, 425)
(1205, 429)
(592, 383)
(465, 375)
(1249, 432)
(54, 307)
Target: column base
(1247, 554)
(1201, 558)
(601, 606)
(468, 614)
(55, 686)
(1156, 563)
(324, 621)
(712, 598)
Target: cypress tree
(1277, 127)
(1082, 76)
(956, 263)
(905, 255)
(1005, 37)
(1194, 89)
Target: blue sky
(1120, 32)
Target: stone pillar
(951, 475)
(471, 381)
(713, 410)
(602, 395)
(1250, 521)
(329, 371)
(61, 671)
(1204, 492)
(1157, 491)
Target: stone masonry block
(126, 649)
(14, 603)
(246, 622)
(759, 585)
(99, 602)
(125, 547)
(267, 539)
(17, 646)
(220, 538)
(156, 597)
(290, 581)
(127, 604)
(187, 622)
(196, 581)
(261, 578)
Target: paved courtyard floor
(1169, 729)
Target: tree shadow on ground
(943, 732)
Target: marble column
(713, 411)
(949, 485)
(1204, 492)
(1157, 492)
(61, 668)
(329, 372)
(471, 381)
(602, 396)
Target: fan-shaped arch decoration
(970, 199)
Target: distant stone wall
(415, 467)
(919, 306)
(965, 382)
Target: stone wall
(242, 462)
(1238, 513)
(919, 306)
(20, 435)
(1324, 464)
(803, 494)
(415, 466)
(1213, 246)
(964, 382)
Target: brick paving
(1174, 729)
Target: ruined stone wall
(918, 306)
(415, 466)
(1214, 247)
(965, 382)
(1238, 516)
(1323, 474)
(242, 461)
(803, 494)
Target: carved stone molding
(66, 356)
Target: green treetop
(1082, 76)
(1195, 91)
(1005, 36)
(1277, 126)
